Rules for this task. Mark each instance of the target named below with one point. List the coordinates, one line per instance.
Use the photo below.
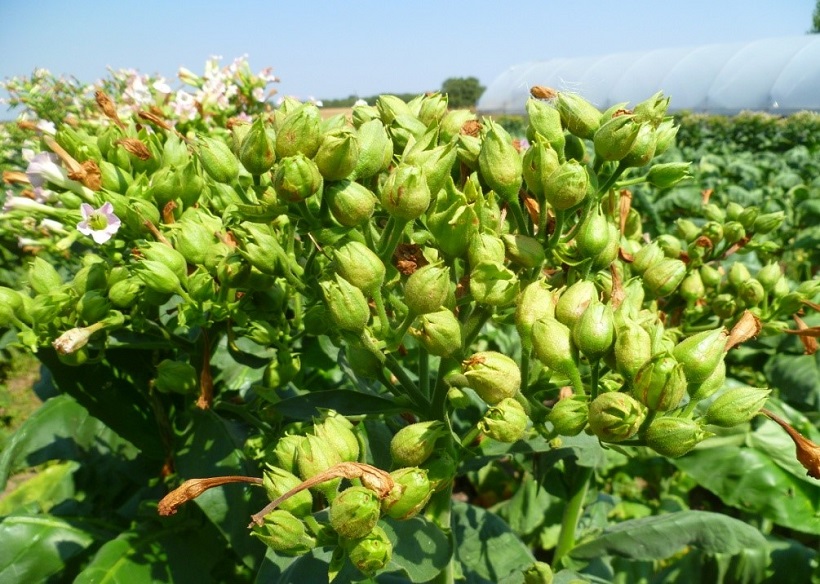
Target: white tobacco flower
(101, 224)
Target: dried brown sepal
(409, 258)
(747, 327)
(153, 119)
(808, 453)
(156, 233)
(705, 195)
(135, 147)
(70, 163)
(565, 392)
(808, 335)
(625, 206)
(471, 128)
(740, 244)
(193, 488)
(532, 207)
(15, 176)
(812, 305)
(168, 212)
(542, 92)
(206, 380)
(108, 108)
(88, 174)
(625, 255)
(618, 294)
(375, 479)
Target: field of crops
(399, 343)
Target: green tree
(815, 19)
(462, 91)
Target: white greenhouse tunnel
(778, 75)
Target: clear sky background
(338, 48)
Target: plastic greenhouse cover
(780, 75)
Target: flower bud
(357, 264)
(701, 353)
(257, 149)
(535, 301)
(545, 120)
(667, 175)
(284, 453)
(574, 301)
(540, 161)
(427, 288)
(769, 222)
(707, 387)
(751, 292)
(405, 194)
(375, 149)
(615, 416)
(614, 139)
(567, 185)
(578, 116)
(594, 332)
(524, 250)
(354, 512)
(569, 416)
(414, 444)
(372, 552)
(301, 132)
(736, 406)
(593, 233)
(663, 278)
(674, 437)
(349, 202)
(439, 333)
(297, 178)
(338, 154)
(42, 277)
(499, 163)
(553, 346)
(661, 383)
(338, 433)
(217, 159)
(492, 376)
(347, 304)
(485, 247)
(410, 493)
(284, 533)
(643, 148)
(633, 348)
(277, 482)
(506, 421)
(315, 456)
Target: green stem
(386, 234)
(446, 366)
(595, 375)
(384, 323)
(572, 514)
(525, 366)
(650, 417)
(470, 436)
(474, 324)
(613, 178)
(424, 372)
(560, 217)
(440, 511)
(407, 386)
(395, 237)
(518, 215)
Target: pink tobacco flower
(101, 224)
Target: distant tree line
(463, 92)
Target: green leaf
(661, 536)
(586, 449)
(344, 401)
(485, 546)
(38, 546)
(420, 549)
(50, 486)
(211, 446)
(61, 429)
(797, 377)
(111, 397)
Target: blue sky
(335, 49)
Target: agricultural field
(402, 343)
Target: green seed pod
(686, 230)
(165, 254)
(375, 149)
(346, 303)
(439, 333)
(357, 264)
(485, 247)
(535, 301)
(538, 573)
(427, 289)
(769, 222)
(404, 130)
(663, 278)
(158, 277)
(712, 230)
(666, 132)
(372, 552)
(733, 232)
(747, 217)
(437, 163)
(433, 108)
(633, 348)
(217, 159)
(349, 202)
(113, 178)
(707, 387)
(193, 237)
(414, 444)
(670, 245)
(594, 332)
(354, 512)
(524, 250)
(781, 287)
(452, 221)
(674, 437)
(553, 346)
(257, 150)
(499, 163)
(452, 123)
(338, 154)
(92, 307)
(578, 116)
(301, 132)
(610, 253)
(751, 292)
(701, 353)
(277, 482)
(614, 139)
(441, 470)
(736, 406)
(297, 178)
(692, 288)
(390, 107)
(710, 276)
(540, 161)
(506, 421)
(569, 416)
(643, 148)
(176, 377)
(124, 293)
(283, 454)
(492, 376)
(574, 301)
(467, 150)
(661, 383)
(42, 277)
(410, 493)
(284, 533)
(649, 255)
(260, 247)
(567, 186)
(593, 233)
(405, 194)
(714, 213)
(669, 174)
(545, 120)
(314, 456)
(362, 361)
(724, 305)
(615, 416)
(769, 275)
(338, 433)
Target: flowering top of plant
(101, 224)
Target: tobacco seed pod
(569, 416)
(314, 456)
(375, 149)
(300, 132)
(535, 301)
(648, 256)
(615, 416)
(405, 194)
(594, 332)
(661, 383)
(663, 278)
(257, 149)
(751, 292)
(439, 333)
(499, 163)
(643, 148)
(414, 444)
(370, 553)
(284, 533)
(553, 346)
(427, 288)
(277, 482)
(538, 573)
(700, 353)
(567, 186)
(674, 437)
(545, 121)
(338, 154)
(283, 454)
(593, 233)
(614, 139)
(574, 301)
(578, 116)
(485, 247)
(357, 264)
(410, 493)
(354, 512)
(736, 406)
(707, 387)
(42, 277)
(297, 178)
(524, 250)
(338, 433)
(492, 375)
(176, 377)
(217, 159)
(667, 175)
(346, 303)
(349, 202)
(769, 275)
(506, 421)
(633, 348)
(540, 161)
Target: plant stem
(424, 372)
(518, 214)
(572, 514)
(440, 512)
(560, 217)
(389, 246)
(595, 373)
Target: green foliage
(463, 92)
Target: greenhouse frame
(777, 75)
